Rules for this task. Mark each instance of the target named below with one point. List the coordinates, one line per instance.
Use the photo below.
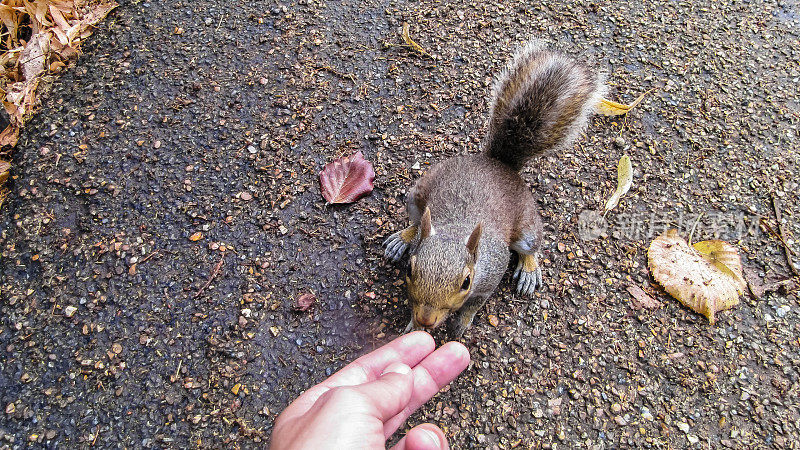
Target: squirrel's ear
(425, 226)
(474, 239)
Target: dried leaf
(33, 58)
(725, 257)
(641, 299)
(53, 31)
(696, 279)
(611, 108)
(493, 320)
(304, 302)
(347, 179)
(5, 169)
(624, 181)
(196, 236)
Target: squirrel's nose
(425, 321)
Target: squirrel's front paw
(397, 244)
(528, 274)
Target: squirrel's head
(440, 273)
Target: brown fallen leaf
(493, 320)
(642, 299)
(347, 179)
(5, 170)
(697, 279)
(40, 38)
(303, 302)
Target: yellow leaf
(624, 181)
(196, 237)
(611, 108)
(724, 257)
(695, 278)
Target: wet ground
(166, 212)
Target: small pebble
(70, 310)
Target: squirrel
(468, 211)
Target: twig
(96, 434)
(213, 275)
(782, 233)
(153, 253)
(178, 370)
(410, 42)
(330, 69)
(691, 234)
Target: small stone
(619, 142)
(683, 426)
(116, 347)
(620, 420)
(616, 408)
(693, 439)
(70, 310)
(246, 196)
(646, 414)
(11, 408)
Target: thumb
(423, 437)
(389, 394)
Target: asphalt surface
(165, 214)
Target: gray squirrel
(468, 211)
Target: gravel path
(184, 148)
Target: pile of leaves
(38, 40)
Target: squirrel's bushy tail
(540, 103)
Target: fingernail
(397, 368)
(431, 437)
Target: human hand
(364, 403)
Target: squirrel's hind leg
(397, 244)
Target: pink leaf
(641, 299)
(304, 302)
(347, 179)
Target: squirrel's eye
(465, 284)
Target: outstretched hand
(363, 404)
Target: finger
(430, 376)
(390, 393)
(408, 349)
(423, 437)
